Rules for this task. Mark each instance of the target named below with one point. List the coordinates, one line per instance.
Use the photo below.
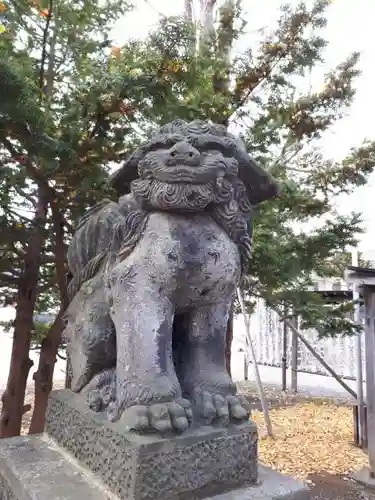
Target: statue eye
(162, 143)
(156, 146)
(212, 147)
(212, 153)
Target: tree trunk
(229, 339)
(43, 377)
(207, 33)
(20, 364)
(188, 11)
(14, 395)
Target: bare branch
(188, 11)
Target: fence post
(294, 358)
(245, 368)
(284, 364)
(361, 417)
(370, 376)
(329, 369)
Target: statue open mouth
(181, 174)
(173, 193)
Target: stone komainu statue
(154, 280)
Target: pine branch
(289, 39)
(16, 6)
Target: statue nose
(185, 152)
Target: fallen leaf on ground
(310, 438)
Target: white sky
(350, 28)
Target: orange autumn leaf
(115, 51)
(311, 438)
(20, 159)
(3, 7)
(174, 66)
(126, 109)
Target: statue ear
(122, 178)
(260, 185)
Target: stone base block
(201, 462)
(34, 468)
(365, 477)
(271, 485)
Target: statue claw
(214, 408)
(174, 416)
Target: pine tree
(197, 75)
(52, 144)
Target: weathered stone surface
(271, 485)
(364, 477)
(154, 277)
(148, 467)
(33, 468)
(6, 488)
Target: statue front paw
(175, 416)
(211, 408)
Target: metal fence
(267, 333)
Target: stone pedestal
(84, 457)
(149, 467)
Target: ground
(313, 442)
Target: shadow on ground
(279, 399)
(332, 487)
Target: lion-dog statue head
(196, 166)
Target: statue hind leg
(91, 343)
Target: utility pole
(284, 359)
(294, 358)
(358, 358)
(251, 353)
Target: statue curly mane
(111, 230)
(105, 231)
